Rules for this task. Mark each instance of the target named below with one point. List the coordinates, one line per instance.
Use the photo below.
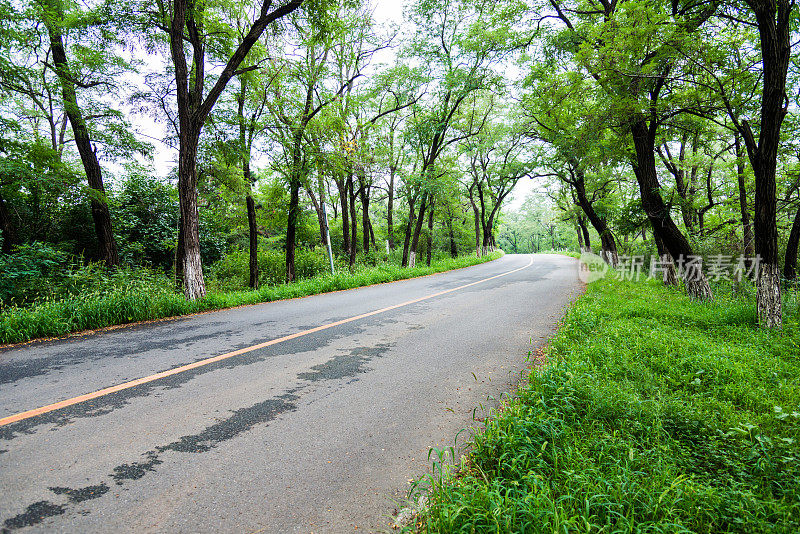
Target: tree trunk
(371, 234)
(407, 240)
(94, 174)
(194, 286)
(363, 192)
(430, 235)
(345, 215)
(291, 227)
(670, 277)
(477, 215)
(178, 265)
(295, 175)
(773, 20)
(412, 254)
(253, 231)
(586, 239)
(352, 193)
(453, 247)
(7, 227)
(323, 229)
(768, 295)
(658, 213)
(790, 260)
(486, 231)
(747, 225)
(581, 247)
(390, 210)
(608, 245)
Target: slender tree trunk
(345, 215)
(353, 224)
(581, 246)
(674, 241)
(453, 247)
(608, 245)
(245, 145)
(295, 175)
(371, 234)
(477, 215)
(412, 254)
(430, 235)
(291, 226)
(390, 210)
(586, 239)
(323, 229)
(363, 192)
(484, 242)
(407, 240)
(91, 166)
(7, 226)
(253, 231)
(790, 261)
(747, 225)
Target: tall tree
(192, 30)
(76, 47)
(630, 50)
(460, 50)
(772, 19)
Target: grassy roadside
(655, 414)
(134, 304)
(569, 253)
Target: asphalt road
(318, 433)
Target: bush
(232, 272)
(32, 272)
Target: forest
(663, 130)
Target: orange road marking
(163, 374)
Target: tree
(564, 112)
(305, 89)
(772, 19)
(192, 31)
(459, 42)
(499, 158)
(57, 48)
(630, 50)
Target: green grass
(570, 253)
(654, 414)
(144, 302)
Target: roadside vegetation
(51, 296)
(652, 413)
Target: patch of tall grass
(152, 296)
(654, 413)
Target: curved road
(312, 415)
